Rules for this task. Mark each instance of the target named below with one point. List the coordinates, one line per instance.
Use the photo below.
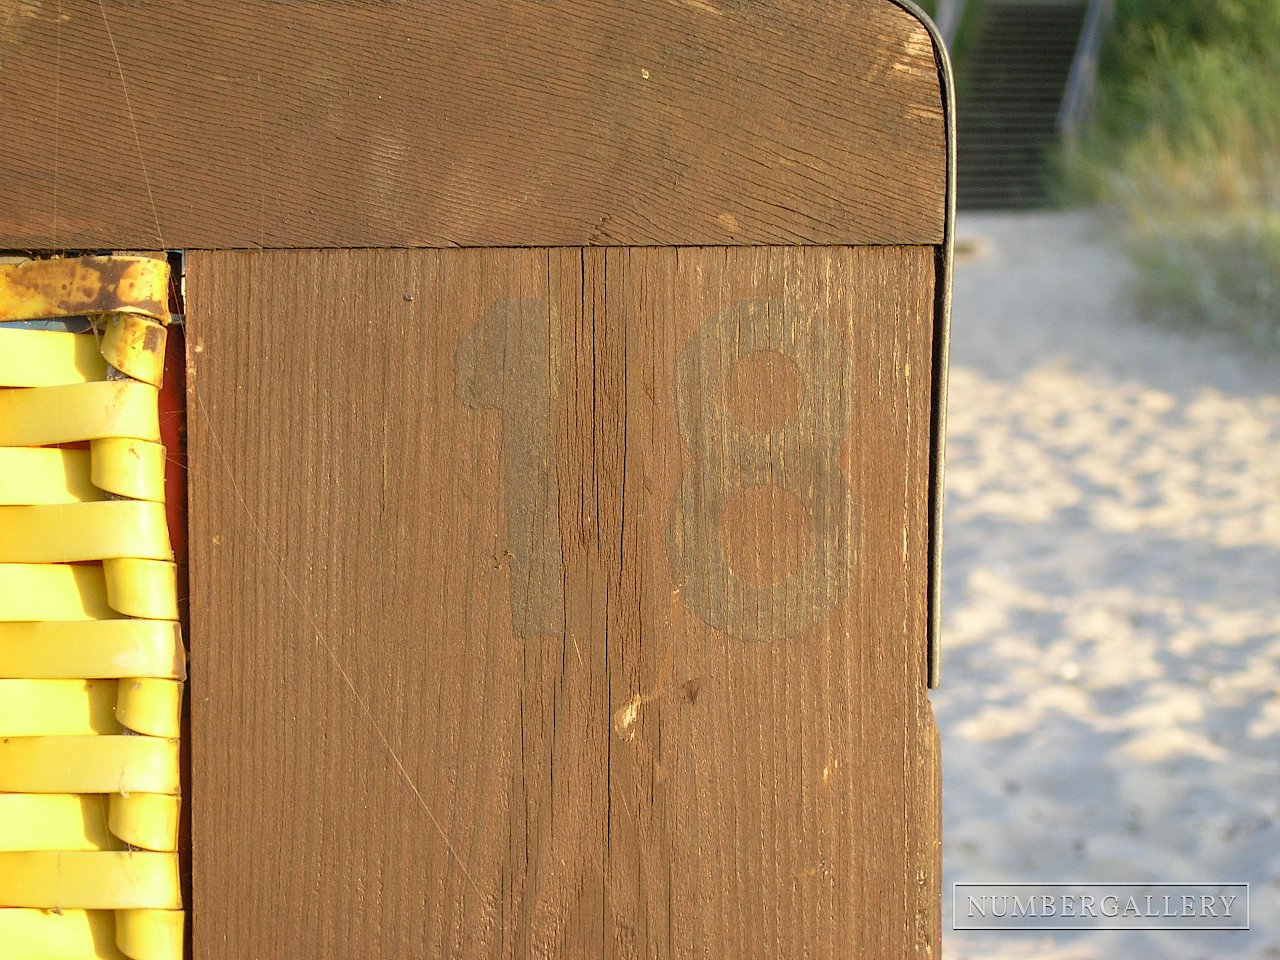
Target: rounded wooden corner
(478, 123)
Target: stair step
(1008, 116)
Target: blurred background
(1110, 700)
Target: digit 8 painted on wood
(730, 457)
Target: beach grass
(1186, 148)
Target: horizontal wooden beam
(210, 124)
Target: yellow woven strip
(45, 358)
(73, 788)
(152, 707)
(53, 591)
(40, 416)
(134, 345)
(45, 475)
(66, 935)
(92, 648)
(150, 934)
(55, 708)
(142, 588)
(146, 820)
(90, 880)
(60, 532)
(130, 468)
(96, 764)
(40, 289)
(54, 821)
(30, 822)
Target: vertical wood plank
(380, 755)
(775, 797)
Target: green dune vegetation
(1185, 145)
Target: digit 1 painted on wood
(505, 363)
(797, 455)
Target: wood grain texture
(384, 766)
(256, 123)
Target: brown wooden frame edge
(476, 124)
(941, 348)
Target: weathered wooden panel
(467, 123)
(563, 603)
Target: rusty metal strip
(72, 287)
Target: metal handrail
(1077, 99)
(950, 13)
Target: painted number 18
(503, 363)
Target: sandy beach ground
(1110, 701)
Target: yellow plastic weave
(91, 659)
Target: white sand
(1110, 702)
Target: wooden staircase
(1008, 110)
